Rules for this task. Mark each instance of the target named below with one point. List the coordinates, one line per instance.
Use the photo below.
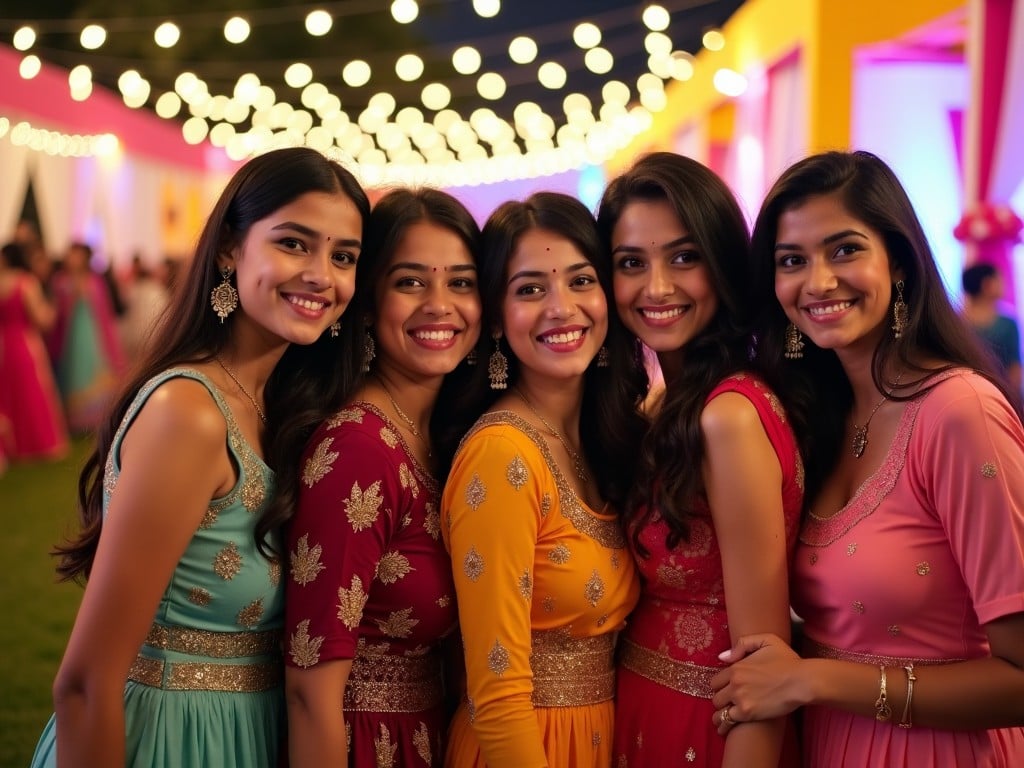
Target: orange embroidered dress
(543, 585)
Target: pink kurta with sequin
(929, 549)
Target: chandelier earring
(224, 298)
(899, 312)
(497, 366)
(602, 357)
(369, 350)
(335, 329)
(794, 348)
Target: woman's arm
(743, 481)
(42, 314)
(316, 726)
(174, 460)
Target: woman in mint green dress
(174, 659)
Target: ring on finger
(725, 718)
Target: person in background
(174, 658)
(983, 289)
(530, 512)
(719, 491)
(147, 297)
(369, 600)
(909, 572)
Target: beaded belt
(572, 671)
(382, 683)
(681, 676)
(204, 676)
(221, 645)
(818, 650)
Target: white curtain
(53, 184)
(14, 162)
(786, 139)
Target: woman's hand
(761, 683)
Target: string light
(23, 133)
(236, 30)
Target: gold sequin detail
(398, 623)
(924, 568)
(473, 564)
(199, 596)
(443, 601)
(615, 560)
(354, 415)
(393, 566)
(408, 480)
(545, 504)
(526, 584)
(851, 548)
(894, 629)
(476, 492)
(595, 740)
(672, 576)
(205, 676)
(362, 507)
(548, 603)
(801, 473)
(227, 563)
(253, 492)
(389, 438)
(700, 540)
(109, 473)
(691, 753)
(274, 572)
(202, 642)
(516, 472)
(622, 762)
(560, 554)
(421, 740)
(858, 606)
(384, 749)
(432, 521)
(471, 708)
(497, 659)
(571, 671)
(813, 558)
(305, 561)
(320, 463)
(988, 469)
(210, 516)
(250, 615)
(602, 620)
(351, 602)
(594, 590)
(305, 650)
(384, 682)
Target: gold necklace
(405, 417)
(228, 371)
(577, 460)
(860, 434)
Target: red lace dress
(669, 652)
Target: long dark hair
(672, 452)
(610, 424)
(819, 393)
(391, 218)
(308, 383)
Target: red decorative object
(989, 223)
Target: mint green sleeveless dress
(206, 687)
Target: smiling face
(428, 304)
(295, 269)
(663, 290)
(554, 314)
(833, 276)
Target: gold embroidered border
(382, 683)
(222, 645)
(681, 676)
(194, 676)
(817, 650)
(572, 671)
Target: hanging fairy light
(93, 36)
(319, 23)
(487, 8)
(236, 30)
(24, 38)
(404, 11)
(167, 35)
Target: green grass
(37, 502)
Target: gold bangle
(883, 711)
(905, 720)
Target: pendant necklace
(405, 417)
(577, 460)
(860, 434)
(229, 372)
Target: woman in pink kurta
(909, 573)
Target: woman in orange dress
(543, 576)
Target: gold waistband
(681, 676)
(197, 676)
(572, 671)
(222, 645)
(817, 650)
(382, 683)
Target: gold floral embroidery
(354, 415)
(274, 572)
(545, 504)
(813, 558)
(851, 548)
(692, 632)
(471, 708)
(924, 568)
(432, 521)
(389, 438)
(498, 659)
(988, 469)
(526, 584)
(595, 740)
(858, 606)
(351, 602)
(306, 565)
(348, 735)
(199, 596)
(476, 492)
(209, 517)
(305, 650)
(801, 473)
(560, 554)
(421, 740)
(672, 576)
(691, 755)
(700, 540)
(548, 603)
(398, 624)
(443, 601)
(249, 616)
(253, 491)
(615, 560)
(362, 507)
(594, 590)
(622, 762)
(320, 463)
(392, 567)
(516, 472)
(227, 563)
(385, 750)
(602, 620)
(894, 629)
(473, 564)
(777, 409)
(408, 480)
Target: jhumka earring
(224, 298)
(899, 312)
(497, 366)
(794, 349)
(602, 357)
(369, 350)
(335, 329)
